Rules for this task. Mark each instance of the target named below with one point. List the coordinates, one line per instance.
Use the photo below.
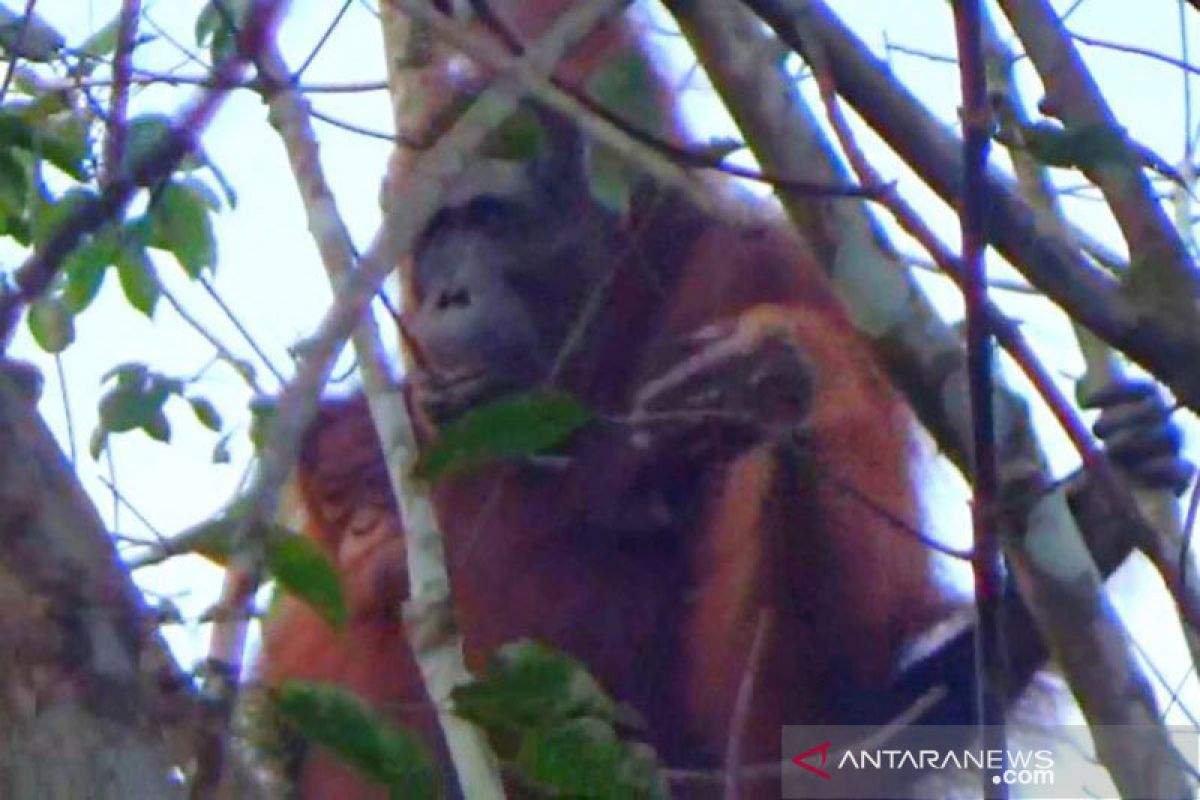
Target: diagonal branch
(1161, 270)
(934, 153)
(34, 276)
(118, 104)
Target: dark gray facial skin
(502, 272)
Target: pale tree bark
(92, 704)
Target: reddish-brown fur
(776, 543)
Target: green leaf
(304, 570)
(103, 42)
(144, 134)
(584, 758)
(627, 86)
(227, 188)
(61, 137)
(34, 40)
(126, 408)
(84, 269)
(512, 427)
(49, 217)
(180, 224)
(63, 140)
(97, 442)
(1082, 148)
(14, 184)
(157, 427)
(213, 27)
(137, 400)
(342, 723)
(206, 413)
(52, 324)
(262, 415)
(138, 279)
(545, 712)
(131, 373)
(519, 138)
(15, 130)
(204, 191)
(208, 23)
(528, 684)
(610, 179)
(220, 453)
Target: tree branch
(34, 276)
(1093, 298)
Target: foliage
(340, 722)
(558, 730)
(512, 427)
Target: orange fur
(665, 626)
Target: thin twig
(742, 706)
(239, 365)
(120, 497)
(927, 55)
(15, 50)
(118, 102)
(1122, 47)
(828, 473)
(146, 77)
(241, 329)
(910, 716)
(663, 160)
(1006, 331)
(994, 283)
(188, 55)
(33, 277)
(66, 402)
(329, 29)
(987, 565)
(1065, 275)
(371, 133)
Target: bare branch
(991, 667)
(115, 123)
(1167, 350)
(1162, 277)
